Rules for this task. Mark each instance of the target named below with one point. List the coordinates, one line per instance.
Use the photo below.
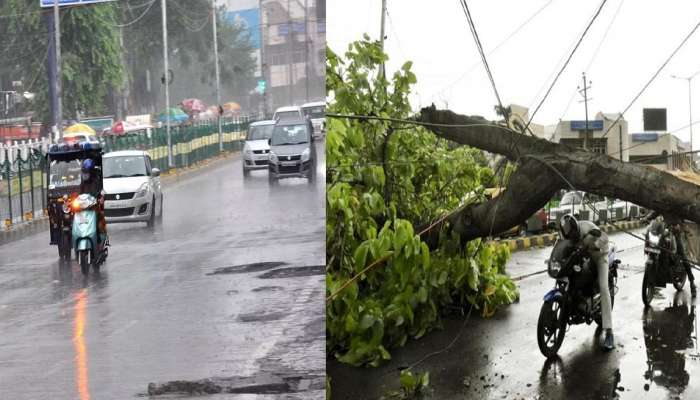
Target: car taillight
(75, 205)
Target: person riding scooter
(595, 241)
(90, 183)
(677, 227)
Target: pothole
(294, 272)
(268, 289)
(260, 317)
(244, 268)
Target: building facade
(606, 135)
(661, 150)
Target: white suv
(132, 188)
(288, 113)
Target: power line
(658, 71)
(137, 19)
(475, 34)
(590, 23)
(498, 46)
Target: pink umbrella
(193, 106)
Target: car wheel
(152, 219)
(160, 215)
(246, 172)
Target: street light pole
(690, 107)
(216, 68)
(58, 89)
(166, 75)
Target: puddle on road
(245, 268)
(260, 317)
(294, 272)
(268, 289)
(262, 384)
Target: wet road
(179, 302)
(656, 356)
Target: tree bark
(544, 167)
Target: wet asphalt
(657, 354)
(228, 290)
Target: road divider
(548, 239)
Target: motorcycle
(90, 248)
(663, 265)
(575, 298)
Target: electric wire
(475, 34)
(658, 71)
(566, 63)
(137, 19)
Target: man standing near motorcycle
(90, 183)
(587, 235)
(678, 228)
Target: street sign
(644, 137)
(595, 125)
(61, 3)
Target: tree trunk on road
(541, 169)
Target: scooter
(90, 248)
(663, 265)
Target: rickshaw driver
(90, 183)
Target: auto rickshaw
(63, 191)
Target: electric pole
(381, 35)
(58, 116)
(166, 76)
(306, 46)
(218, 81)
(586, 86)
(290, 50)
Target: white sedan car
(132, 188)
(256, 150)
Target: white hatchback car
(316, 112)
(132, 188)
(256, 150)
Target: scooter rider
(90, 177)
(595, 241)
(677, 227)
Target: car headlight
(273, 157)
(247, 150)
(143, 190)
(305, 155)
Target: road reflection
(668, 335)
(81, 363)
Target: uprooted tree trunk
(545, 167)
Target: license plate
(652, 250)
(289, 164)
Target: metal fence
(23, 166)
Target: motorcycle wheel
(679, 278)
(64, 248)
(647, 287)
(551, 327)
(83, 256)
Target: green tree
(384, 179)
(90, 52)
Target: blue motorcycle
(575, 298)
(90, 248)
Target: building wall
(615, 143)
(663, 144)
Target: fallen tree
(544, 167)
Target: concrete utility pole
(58, 116)
(306, 47)
(290, 51)
(166, 75)
(263, 63)
(381, 35)
(216, 64)
(585, 101)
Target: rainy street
(227, 292)
(656, 356)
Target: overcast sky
(435, 36)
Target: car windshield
(289, 134)
(285, 115)
(315, 112)
(124, 166)
(64, 173)
(571, 198)
(260, 132)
